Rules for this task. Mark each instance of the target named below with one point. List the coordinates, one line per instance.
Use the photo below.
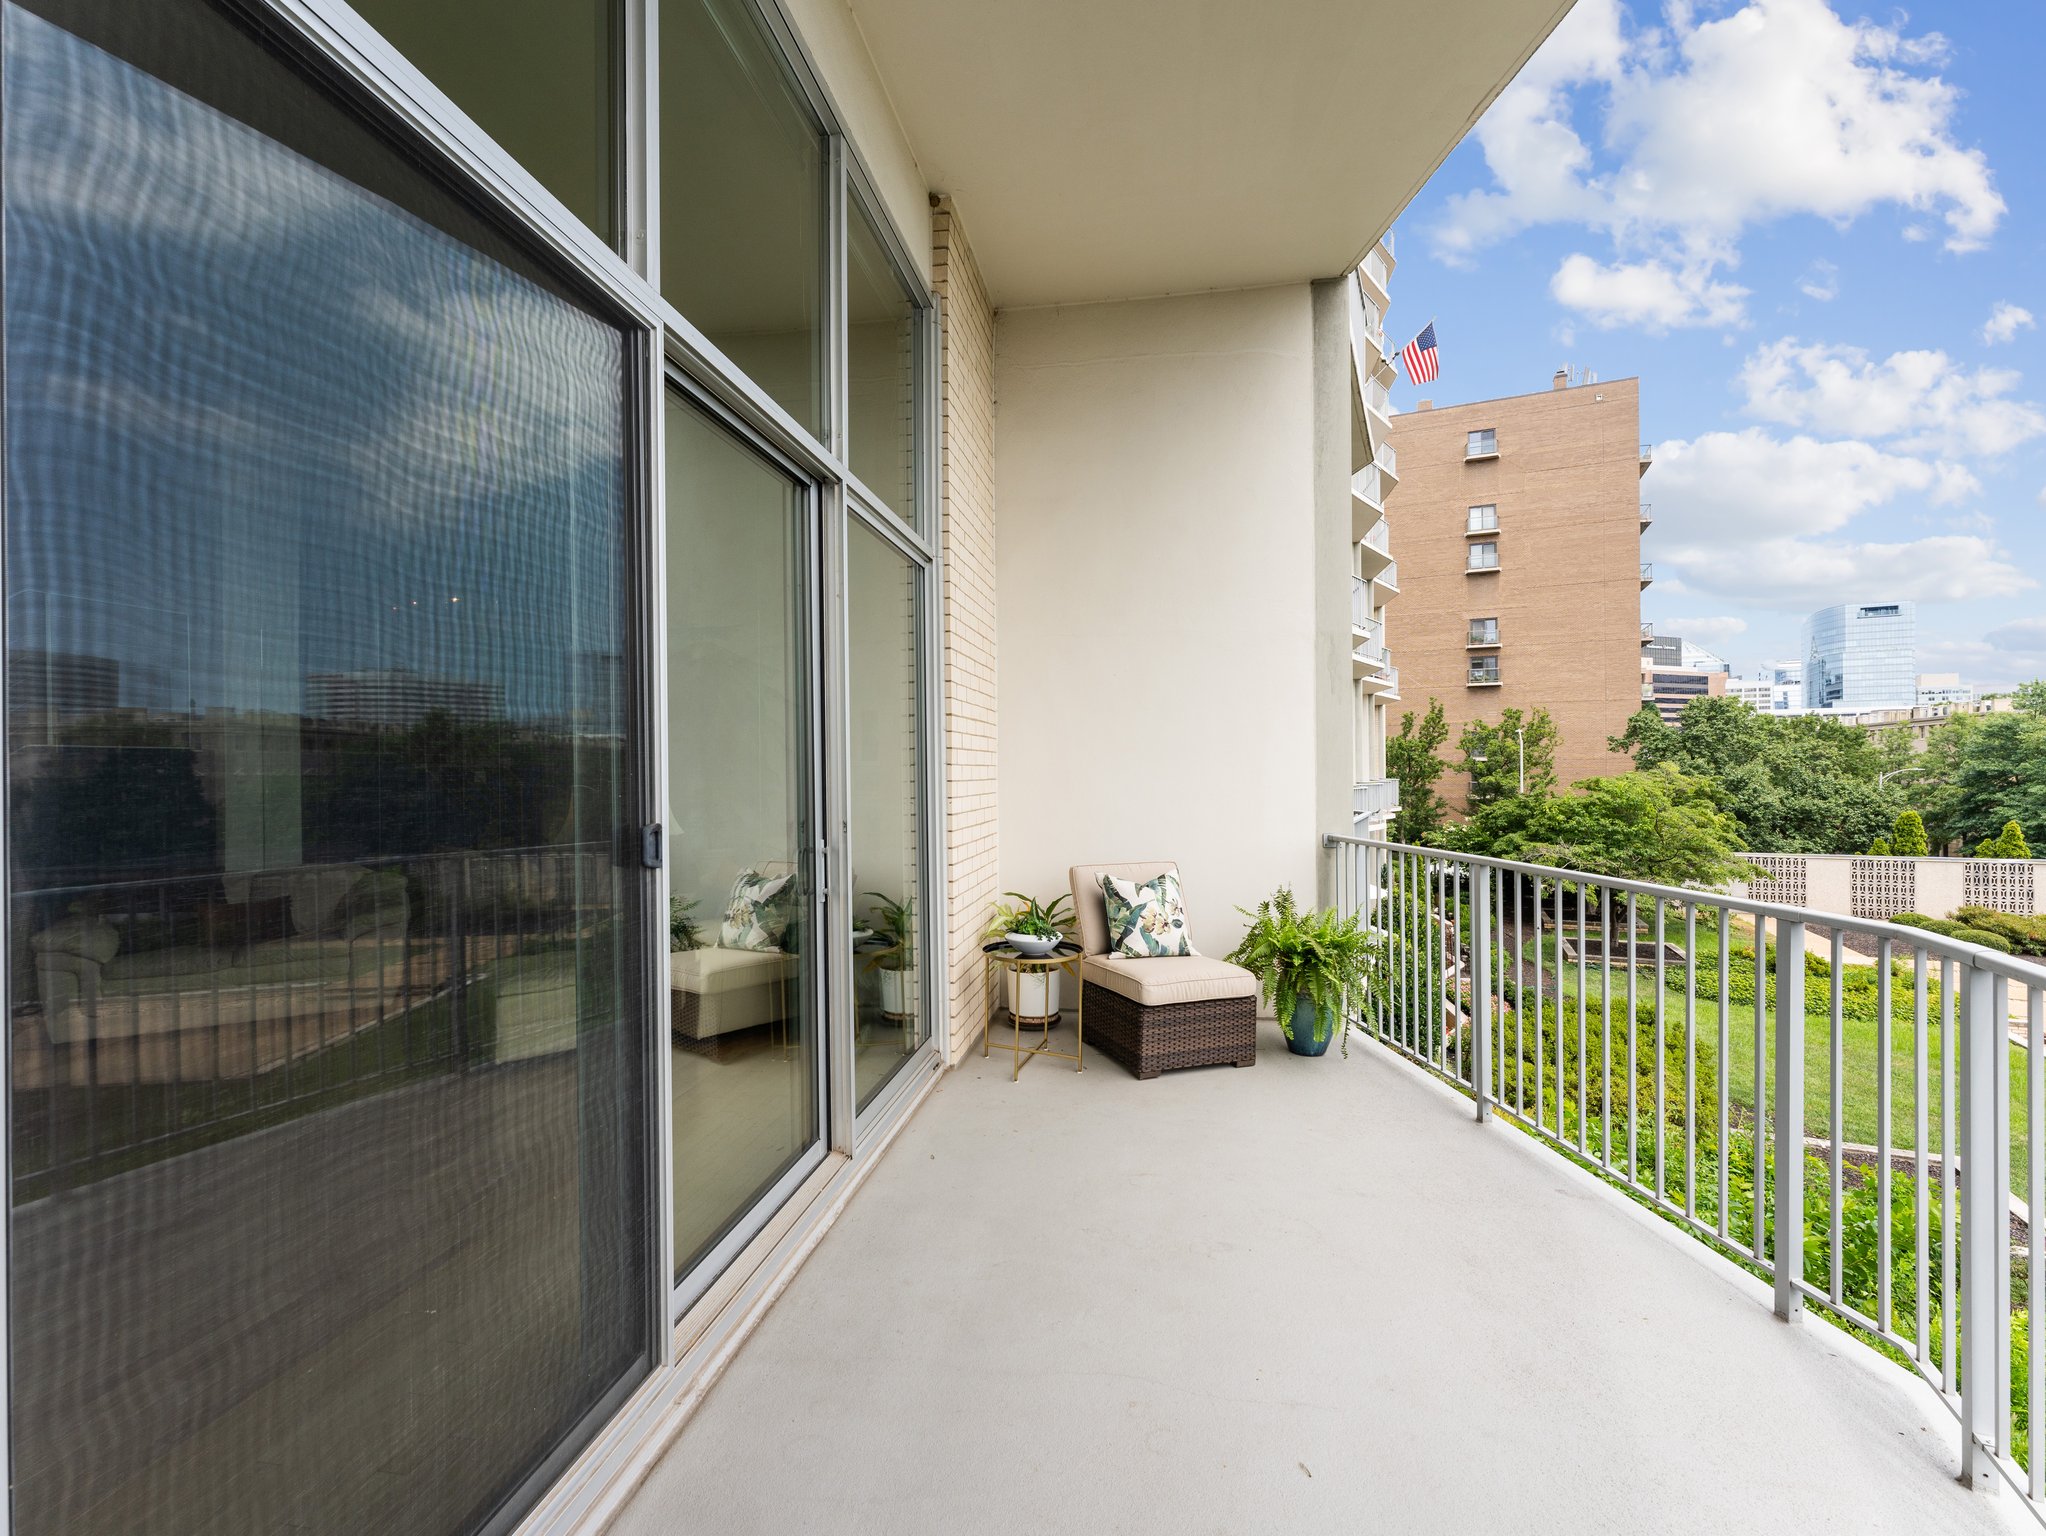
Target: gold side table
(1065, 960)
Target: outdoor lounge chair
(1165, 1011)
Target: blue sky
(1818, 236)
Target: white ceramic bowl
(1030, 944)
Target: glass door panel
(743, 961)
(328, 1063)
(884, 810)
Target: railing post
(1481, 989)
(1985, 1224)
(1789, 1117)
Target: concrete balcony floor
(1303, 1296)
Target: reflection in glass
(539, 76)
(328, 1208)
(885, 811)
(742, 952)
(881, 363)
(743, 200)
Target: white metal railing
(1388, 455)
(1368, 483)
(1378, 539)
(1376, 269)
(1663, 1037)
(1647, 573)
(1360, 604)
(1372, 319)
(1379, 398)
(1376, 797)
(1389, 578)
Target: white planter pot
(1033, 994)
(897, 994)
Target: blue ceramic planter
(1301, 1041)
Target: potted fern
(1311, 967)
(895, 925)
(1031, 927)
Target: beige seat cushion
(1158, 980)
(1091, 911)
(712, 971)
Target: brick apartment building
(1520, 563)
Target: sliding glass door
(745, 950)
(329, 1204)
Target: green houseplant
(684, 931)
(1032, 994)
(895, 957)
(1311, 967)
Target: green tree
(1657, 824)
(1795, 784)
(1414, 758)
(1998, 776)
(1880, 848)
(2031, 697)
(1517, 756)
(1907, 838)
(2007, 844)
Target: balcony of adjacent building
(1374, 798)
(1647, 456)
(1647, 575)
(1647, 516)
(1466, 1264)
(1369, 489)
(1374, 554)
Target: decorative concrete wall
(1854, 885)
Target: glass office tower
(1861, 656)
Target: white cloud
(1647, 293)
(1755, 518)
(1821, 281)
(2008, 655)
(1797, 574)
(2005, 321)
(1922, 401)
(1834, 119)
(1715, 629)
(1730, 487)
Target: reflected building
(398, 696)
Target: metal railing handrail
(1765, 1171)
(2008, 966)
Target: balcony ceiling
(1105, 149)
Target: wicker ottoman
(1160, 1039)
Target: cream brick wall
(967, 471)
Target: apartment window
(1482, 444)
(1484, 632)
(1484, 556)
(745, 172)
(1484, 670)
(1483, 519)
(881, 363)
(545, 85)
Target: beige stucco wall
(967, 538)
(1158, 620)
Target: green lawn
(1859, 1064)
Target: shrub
(2007, 844)
(1907, 838)
(2026, 935)
(1879, 849)
(1980, 936)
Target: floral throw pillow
(1146, 917)
(756, 917)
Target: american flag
(1422, 361)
